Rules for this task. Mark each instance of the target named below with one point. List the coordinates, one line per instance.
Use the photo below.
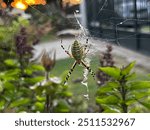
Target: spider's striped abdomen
(77, 51)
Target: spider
(78, 52)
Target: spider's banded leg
(87, 40)
(86, 49)
(69, 73)
(89, 69)
(65, 49)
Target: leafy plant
(55, 97)
(123, 93)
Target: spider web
(100, 11)
(121, 22)
(117, 22)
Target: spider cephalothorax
(78, 52)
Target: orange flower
(35, 2)
(3, 4)
(19, 4)
(74, 2)
(23, 4)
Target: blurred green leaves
(11, 62)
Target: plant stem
(21, 65)
(123, 94)
(47, 103)
(47, 76)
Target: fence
(123, 21)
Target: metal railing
(127, 21)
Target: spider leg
(89, 69)
(65, 50)
(86, 48)
(71, 70)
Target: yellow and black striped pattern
(78, 52)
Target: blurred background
(31, 35)
(125, 21)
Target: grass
(48, 37)
(63, 66)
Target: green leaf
(39, 90)
(10, 74)
(37, 67)
(147, 105)
(136, 85)
(1, 86)
(111, 108)
(11, 62)
(20, 102)
(28, 71)
(133, 96)
(9, 86)
(62, 106)
(39, 106)
(66, 94)
(131, 76)
(40, 99)
(2, 104)
(111, 71)
(138, 94)
(34, 80)
(130, 102)
(136, 109)
(110, 86)
(107, 100)
(111, 111)
(128, 68)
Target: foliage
(23, 88)
(55, 97)
(33, 92)
(26, 86)
(29, 93)
(122, 93)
